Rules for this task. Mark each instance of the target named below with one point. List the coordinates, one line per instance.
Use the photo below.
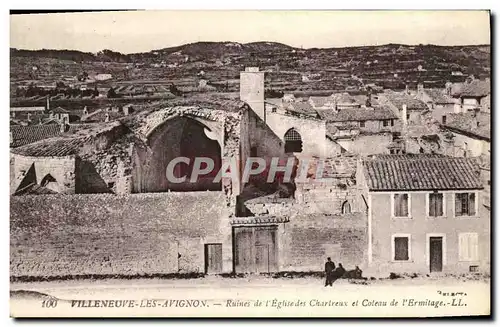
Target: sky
(142, 31)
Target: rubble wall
(101, 234)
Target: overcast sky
(142, 31)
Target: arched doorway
(177, 137)
(293, 141)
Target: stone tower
(252, 90)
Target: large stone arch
(178, 136)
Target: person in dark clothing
(339, 272)
(329, 270)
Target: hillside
(219, 63)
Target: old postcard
(250, 164)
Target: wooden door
(436, 254)
(213, 258)
(255, 249)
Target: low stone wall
(310, 238)
(100, 234)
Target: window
(473, 268)
(392, 122)
(401, 205)
(465, 204)
(435, 204)
(468, 249)
(443, 119)
(407, 116)
(346, 207)
(293, 141)
(401, 247)
(253, 152)
(361, 124)
(385, 123)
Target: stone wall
(312, 131)
(62, 169)
(58, 235)
(367, 144)
(309, 239)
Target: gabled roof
(421, 173)
(438, 96)
(476, 88)
(322, 101)
(358, 114)
(465, 123)
(59, 110)
(398, 99)
(303, 108)
(22, 135)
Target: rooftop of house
(100, 115)
(358, 114)
(319, 101)
(471, 124)
(302, 108)
(439, 96)
(421, 172)
(22, 135)
(34, 189)
(476, 88)
(58, 110)
(398, 99)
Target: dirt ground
(238, 297)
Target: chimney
(447, 88)
(252, 90)
(64, 127)
(420, 88)
(48, 103)
(407, 89)
(85, 111)
(403, 114)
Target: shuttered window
(468, 247)
(465, 204)
(436, 205)
(401, 248)
(401, 205)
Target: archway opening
(293, 141)
(180, 137)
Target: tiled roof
(476, 88)
(59, 110)
(303, 108)
(100, 116)
(400, 98)
(359, 114)
(322, 101)
(344, 98)
(34, 189)
(421, 172)
(466, 123)
(22, 135)
(53, 147)
(438, 96)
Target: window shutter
(432, 205)
(458, 204)
(472, 204)
(463, 249)
(404, 200)
(468, 247)
(474, 247)
(439, 200)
